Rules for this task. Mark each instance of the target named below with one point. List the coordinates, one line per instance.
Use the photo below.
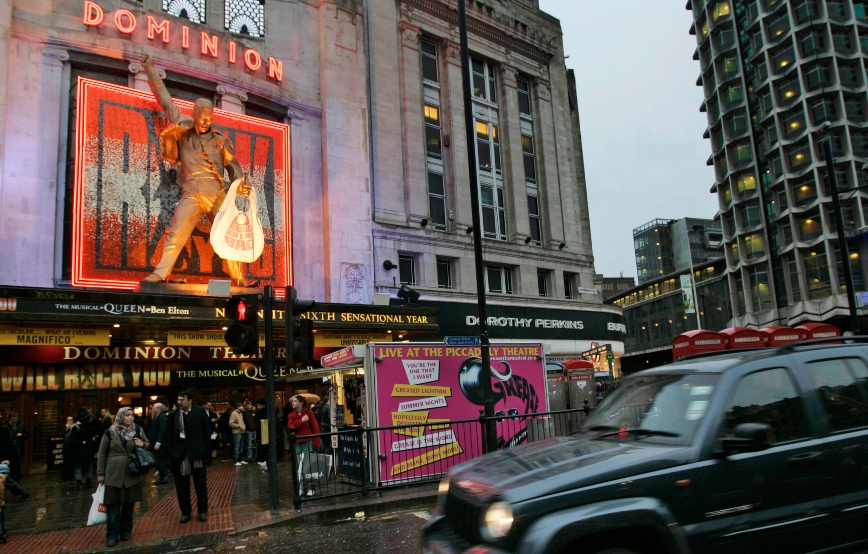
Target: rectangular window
(794, 124)
(843, 43)
(523, 96)
(444, 274)
(840, 385)
(433, 144)
(760, 290)
(855, 268)
(498, 279)
(795, 288)
(739, 290)
(436, 200)
(483, 80)
(750, 214)
(542, 282)
(817, 275)
(823, 110)
(407, 269)
(568, 286)
(429, 60)
(848, 75)
(533, 214)
(806, 10)
(818, 77)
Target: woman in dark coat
(80, 445)
(122, 490)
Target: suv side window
(768, 396)
(841, 383)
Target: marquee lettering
(126, 23)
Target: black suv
(762, 451)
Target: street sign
(610, 356)
(462, 341)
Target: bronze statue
(203, 154)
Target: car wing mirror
(748, 437)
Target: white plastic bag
(98, 510)
(237, 235)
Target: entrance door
(48, 424)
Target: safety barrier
(356, 460)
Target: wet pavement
(54, 519)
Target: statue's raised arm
(160, 91)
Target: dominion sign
(125, 194)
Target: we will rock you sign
(125, 195)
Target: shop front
(596, 335)
(65, 350)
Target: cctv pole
(490, 443)
(842, 237)
(268, 368)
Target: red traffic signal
(243, 334)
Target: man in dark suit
(157, 436)
(189, 444)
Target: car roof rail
(714, 353)
(787, 348)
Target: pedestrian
(323, 417)
(106, 420)
(66, 468)
(261, 417)
(5, 453)
(189, 440)
(250, 429)
(157, 433)
(122, 489)
(236, 423)
(225, 431)
(212, 425)
(19, 434)
(304, 423)
(81, 448)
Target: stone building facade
(372, 93)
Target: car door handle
(806, 458)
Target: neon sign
(126, 23)
(125, 194)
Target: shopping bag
(98, 510)
(314, 469)
(235, 234)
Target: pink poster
(434, 387)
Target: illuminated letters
(185, 37)
(252, 59)
(93, 14)
(125, 21)
(162, 28)
(209, 44)
(275, 69)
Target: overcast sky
(641, 125)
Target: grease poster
(430, 386)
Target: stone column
(33, 117)
(513, 159)
(546, 145)
(231, 99)
(452, 95)
(414, 151)
(5, 31)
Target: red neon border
(84, 85)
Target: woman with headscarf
(122, 490)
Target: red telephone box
(696, 342)
(779, 335)
(742, 337)
(820, 330)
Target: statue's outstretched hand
(243, 188)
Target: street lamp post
(826, 141)
(693, 275)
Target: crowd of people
(183, 439)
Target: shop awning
(742, 337)
(779, 335)
(696, 342)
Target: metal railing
(360, 459)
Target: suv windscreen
(667, 407)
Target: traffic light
(299, 332)
(243, 333)
(302, 340)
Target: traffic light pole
(268, 368)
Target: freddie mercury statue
(203, 154)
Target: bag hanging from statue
(237, 234)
